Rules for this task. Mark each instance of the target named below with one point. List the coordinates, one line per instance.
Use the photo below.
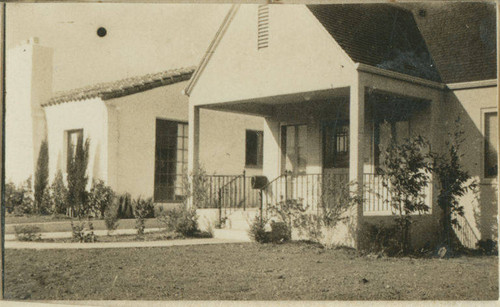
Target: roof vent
(263, 26)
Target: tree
(59, 194)
(41, 176)
(405, 171)
(77, 177)
(452, 180)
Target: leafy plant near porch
(405, 170)
(77, 178)
(454, 182)
(143, 208)
(196, 187)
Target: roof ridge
(122, 87)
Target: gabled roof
(461, 36)
(115, 89)
(381, 35)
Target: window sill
(254, 166)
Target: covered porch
(317, 138)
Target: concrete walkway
(182, 242)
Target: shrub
(41, 177)
(280, 232)
(143, 208)
(77, 178)
(111, 218)
(27, 233)
(188, 223)
(196, 187)
(100, 196)
(59, 194)
(125, 209)
(257, 231)
(380, 239)
(19, 200)
(83, 232)
(487, 247)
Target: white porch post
(356, 136)
(193, 141)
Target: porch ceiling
(264, 106)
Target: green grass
(247, 271)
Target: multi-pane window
(170, 160)
(336, 144)
(294, 138)
(72, 139)
(490, 144)
(254, 148)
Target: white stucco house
(333, 82)
(137, 127)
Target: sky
(141, 38)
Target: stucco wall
(28, 83)
(89, 115)
(238, 70)
(481, 209)
(132, 122)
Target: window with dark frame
(170, 160)
(490, 144)
(72, 139)
(336, 144)
(254, 148)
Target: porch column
(193, 140)
(356, 136)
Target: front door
(335, 147)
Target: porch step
(232, 234)
(240, 220)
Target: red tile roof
(115, 89)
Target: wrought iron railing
(309, 189)
(376, 195)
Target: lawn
(246, 271)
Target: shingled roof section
(381, 35)
(461, 37)
(123, 87)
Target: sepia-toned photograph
(269, 151)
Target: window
(72, 139)
(170, 160)
(293, 144)
(336, 144)
(384, 132)
(490, 144)
(254, 148)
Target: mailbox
(259, 182)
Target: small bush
(380, 239)
(125, 210)
(280, 232)
(111, 218)
(143, 208)
(257, 231)
(100, 197)
(27, 233)
(58, 194)
(82, 232)
(19, 200)
(181, 220)
(487, 247)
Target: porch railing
(306, 188)
(231, 192)
(376, 195)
